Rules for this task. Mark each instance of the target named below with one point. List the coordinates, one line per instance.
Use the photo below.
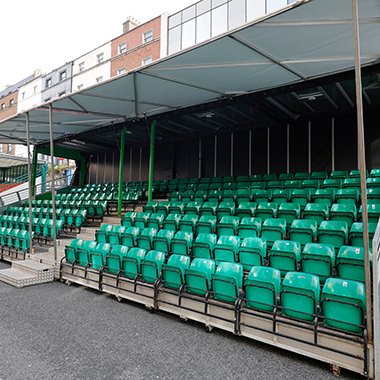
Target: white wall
(31, 99)
(22, 150)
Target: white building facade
(29, 94)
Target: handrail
(16, 181)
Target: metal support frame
(362, 167)
(151, 159)
(215, 153)
(52, 180)
(232, 154)
(250, 153)
(309, 146)
(121, 169)
(29, 184)
(105, 165)
(130, 164)
(140, 165)
(288, 148)
(268, 150)
(332, 144)
(34, 170)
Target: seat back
(151, 266)
(252, 252)
(285, 255)
(226, 281)
(350, 263)
(203, 246)
(198, 276)
(131, 263)
(173, 272)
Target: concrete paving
(55, 331)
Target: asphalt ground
(55, 331)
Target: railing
(17, 181)
(376, 299)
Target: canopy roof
(293, 49)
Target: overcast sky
(44, 34)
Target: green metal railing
(22, 179)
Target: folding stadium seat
(177, 208)
(145, 239)
(228, 225)
(182, 243)
(280, 196)
(200, 195)
(373, 213)
(99, 254)
(188, 223)
(162, 185)
(191, 186)
(241, 178)
(252, 252)
(205, 180)
(203, 186)
(101, 236)
(339, 174)
(182, 183)
(246, 209)
(356, 174)
(375, 173)
(255, 178)
(274, 185)
(302, 176)
(128, 219)
(216, 179)
(300, 295)
(285, 255)
(355, 236)
(318, 259)
(151, 266)
(25, 240)
(319, 175)
(208, 208)
(171, 222)
(162, 241)
(175, 196)
(242, 185)
(373, 183)
(173, 272)
(343, 212)
(273, 229)
(289, 212)
(163, 208)
(215, 186)
(292, 185)
(348, 196)
(141, 220)
(350, 263)
(226, 249)
(187, 196)
(343, 305)
(269, 177)
(249, 227)
(226, 281)
(114, 236)
(215, 196)
(48, 229)
(229, 195)
(262, 196)
(335, 184)
(172, 185)
(316, 211)
(203, 246)
(114, 259)
(285, 177)
(313, 184)
(225, 209)
(373, 196)
(132, 261)
(351, 183)
(129, 236)
(266, 210)
(325, 196)
(334, 233)
(243, 195)
(84, 252)
(151, 207)
(206, 224)
(304, 231)
(192, 208)
(198, 276)
(262, 286)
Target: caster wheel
(208, 329)
(335, 370)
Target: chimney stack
(130, 24)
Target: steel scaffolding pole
(29, 184)
(52, 180)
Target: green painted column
(34, 170)
(121, 169)
(151, 160)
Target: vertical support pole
(250, 153)
(29, 184)
(52, 180)
(82, 178)
(121, 169)
(140, 163)
(288, 148)
(113, 165)
(232, 154)
(151, 159)
(97, 169)
(130, 165)
(309, 146)
(362, 167)
(104, 166)
(332, 144)
(268, 150)
(215, 153)
(34, 170)
(200, 158)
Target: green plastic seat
(188, 223)
(273, 229)
(319, 175)
(200, 195)
(228, 225)
(289, 212)
(84, 252)
(206, 224)
(151, 265)
(373, 213)
(312, 184)
(115, 258)
(177, 207)
(129, 236)
(262, 286)
(214, 193)
(226, 281)
(145, 239)
(252, 252)
(339, 174)
(99, 254)
(101, 235)
(343, 212)
(243, 195)
(351, 183)
(274, 185)
(163, 208)
(173, 273)
(355, 236)
(225, 209)
(162, 241)
(325, 196)
(198, 276)
(373, 183)
(375, 173)
(343, 305)
(114, 236)
(208, 208)
(350, 263)
(246, 210)
(334, 233)
(266, 210)
(131, 262)
(203, 246)
(188, 195)
(226, 248)
(192, 208)
(318, 259)
(332, 183)
(300, 293)
(304, 231)
(155, 221)
(285, 255)
(373, 196)
(316, 211)
(347, 196)
(182, 243)
(285, 176)
(141, 220)
(171, 222)
(292, 185)
(151, 207)
(281, 196)
(249, 227)
(262, 196)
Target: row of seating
(299, 296)
(128, 196)
(14, 240)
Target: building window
(11, 102)
(48, 83)
(100, 79)
(23, 95)
(121, 71)
(3, 106)
(147, 60)
(100, 58)
(1, 148)
(81, 67)
(62, 93)
(122, 48)
(62, 75)
(80, 87)
(35, 90)
(9, 148)
(148, 36)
